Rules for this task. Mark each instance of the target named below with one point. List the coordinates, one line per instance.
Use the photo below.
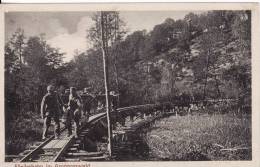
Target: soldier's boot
(68, 123)
(76, 128)
(44, 135)
(69, 127)
(57, 128)
(46, 125)
(77, 116)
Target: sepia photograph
(120, 85)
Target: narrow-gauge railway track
(68, 148)
(52, 150)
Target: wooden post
(105, 67)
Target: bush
(23, 131)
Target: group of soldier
(69, 105)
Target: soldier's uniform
(50, 109)
(65, 97)
(113, 101)
(87, 100)
(101, 98)
(65, 100)
(74, 113)
(101, 102)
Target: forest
(204, 56)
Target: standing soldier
(65, 100)
(114, 100)
(74, 111)
(87, 100)
(50, 109)
(101, 102)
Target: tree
(162, 36)
(13, 72)
(114, 25)
(17, 41)
(114, 32)
(30, 66)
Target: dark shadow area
(134, 148)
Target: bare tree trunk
(105, 66)
(115, 60)
(117, 82)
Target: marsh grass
(201, 137)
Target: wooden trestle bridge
(92, 144)
(85, 148)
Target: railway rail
(67, 148)
(51, 149)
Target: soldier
(113, 100)
(101, 102)
(74, 111)
(87, 100)
(50, 109)
(65, 96)
(65, 101)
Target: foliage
(113, 24)
(203, 56)
(197, 54)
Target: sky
(68, 30)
